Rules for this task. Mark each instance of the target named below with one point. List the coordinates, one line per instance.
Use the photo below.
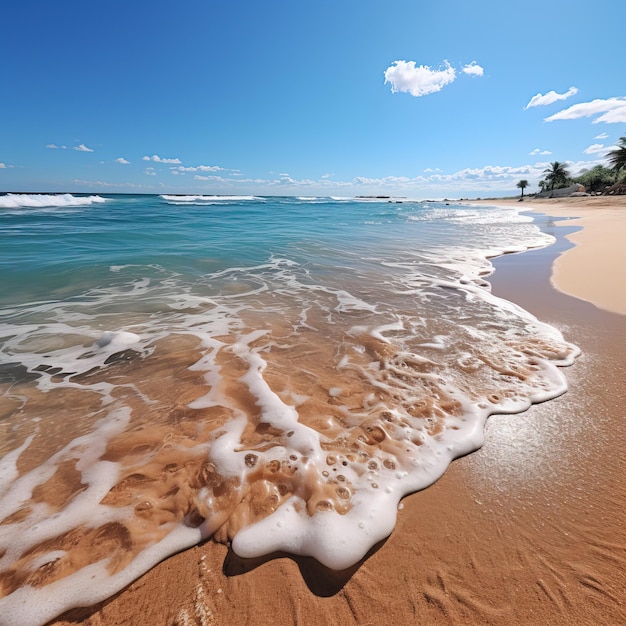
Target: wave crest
(205, 199)
(37, 201)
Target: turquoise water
(280, 371)
(43, 247)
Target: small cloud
(430, 170)
(550, 97)
(199, 168)
(2, 166)
(473, 69)
(609, 111)
(326, 176)
(123, 161)
(404, 76)
(150, 171)
(596, 148)
(52, 146)
(82, 148)
(158, 159)
(602, 136)
(537, 151)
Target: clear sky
(419, 98)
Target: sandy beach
(527, 530)
(592, 270)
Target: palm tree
(522, 185)
(617, 157)
(556, 174)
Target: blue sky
(424, 99)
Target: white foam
(16, 201)
(414, 312)
(208, 198)
(8, 466)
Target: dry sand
(530, 529)
(594, 269)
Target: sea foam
(17, 201)
(287, 403)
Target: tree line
(596, 179)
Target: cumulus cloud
(2, 166)
(550, 97)
(537, 151)
(609, 111)
(601, 136)
(122, 160)
(150, 171)
(596, 148)
(405, 76)
(473, 69)
(158, 159)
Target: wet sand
(530, 529)
(594, 269)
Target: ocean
(273, 372)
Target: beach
(593, 271)
(529, 529)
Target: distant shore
(593, 270)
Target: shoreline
(526, 530)
(593, 268)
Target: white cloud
(609, 110)
(150, 171)
(615, 116)
(601, 136)
(2, 166)
(550, 97)
(81, 148)
(473, 69)
(199, 168)
(100, 183)
(226, 181)
(158, 159)
(122, 160)
(596, 148)
(538, 151)
(404, 76)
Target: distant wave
(24, 200)
(206, 199)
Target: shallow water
(274, 372)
